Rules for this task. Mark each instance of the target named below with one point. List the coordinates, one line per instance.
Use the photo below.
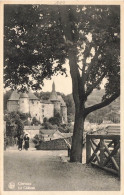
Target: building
(32, 130)
(38, 108)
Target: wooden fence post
(88, 148)
(102, 155)
(115, 143)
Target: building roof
(24, 95)
(58, 135)
(14, 96)
(32, 96)
(32, 127)
(65, 135)
(61, 100)
(53, 95)
(47, 131)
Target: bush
(48, 125)
(56, 120)
(35, 122)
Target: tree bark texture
(78, 96)
(77, 139)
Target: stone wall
(64, 113)
(48, 110)
(58, 144)
(35, 110)
(12, 105)
(24, 105)
(31, 133)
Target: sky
(63, 84)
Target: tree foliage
(14, 124)
(35, 121)
(35, 38)
(56, 120)
(40, 38)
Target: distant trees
(43, 95)
(35, 121)
(14, 124)
(56, 120)
(6, 97)
(53, 122)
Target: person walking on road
(20, 141)
(26, 142)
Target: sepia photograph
(61, 97)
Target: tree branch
(84, 65)
(95, 84)
(80, 68)
(74, 71)
(91, 65)
(102, 104)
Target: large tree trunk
(77, 139)
(77, 87)
(79, 100)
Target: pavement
(40, 170)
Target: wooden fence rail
(104, 151)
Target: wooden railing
(104, 151)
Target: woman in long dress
(26, 142)
(20, 141)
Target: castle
(38, 108)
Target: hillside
(110, 112)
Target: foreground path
(45, 171)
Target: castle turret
(13, 102)
(63, 109)
(54, 99)
(24, 103)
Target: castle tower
(63, 109)
(13, 102)
(54, 99)
(24, 103)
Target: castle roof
(53, 95)
(32, 96)
(46, 101)
(61, 100)
(14, 96)
(23, 95)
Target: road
(45, 171)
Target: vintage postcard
(61, 110)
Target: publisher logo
(11, 185)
